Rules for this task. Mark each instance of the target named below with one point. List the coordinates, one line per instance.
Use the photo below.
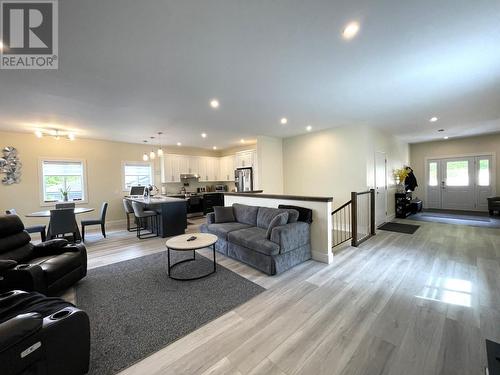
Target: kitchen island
(173, 211)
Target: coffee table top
(181, 243)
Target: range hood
(187, 176)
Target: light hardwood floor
(398, 304)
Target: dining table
(77, 210)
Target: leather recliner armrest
(55, 247)
(29, 277)
(18, 328)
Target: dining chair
(64, 205)
(101, 221)
(62, 222)
(33, 228)
(142, 216)
(127, 206)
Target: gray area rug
(135, 309)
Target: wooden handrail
(341, 207)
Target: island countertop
(156, 200)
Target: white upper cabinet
(206, 167)
(246, 158)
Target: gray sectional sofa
(248, 240)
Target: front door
(461, 183)
(380, 188)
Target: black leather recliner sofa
(48, 267)
(42, 335)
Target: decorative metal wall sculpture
(10, 165)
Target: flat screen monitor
(137, 190)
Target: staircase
(355, 220)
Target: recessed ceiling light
(71, 136)
(214, 148)
(242, 140)
(204, 135)
(433, 119)
(38, 133)
(283, 120)
(309, 128)
(446, 137)
(179, 144)
(350, 31)
(214, 103)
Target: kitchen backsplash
(175, 187)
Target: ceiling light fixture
(38, 133)
(446, 137)
(179, 144)
(160, 149)
(284, 121)
(214, 148)
(350, 30)
(441, 130)
(203, 135)
(214, 103)
(145, 155)
(152, 154)
(309, 128)
(433, 119)
(55, 133)
(71, 136)
(242, 140)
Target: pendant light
(145, 156)
(160, 150)
(152, 154)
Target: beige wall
(270, 164)
(452, 147)
(104, 175)
(337, 161)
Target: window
(484, 172)
(136, 174)
(433, 176)
(457, 173)
(59, 176)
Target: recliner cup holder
(60, 314)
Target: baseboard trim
(322, 257)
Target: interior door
(484, 183)
(380, 188)
(457, 185)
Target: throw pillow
(278, 220)
(223, 214)
(293, 215)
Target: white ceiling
(131, 68)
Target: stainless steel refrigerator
(243, 178)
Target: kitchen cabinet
(208, 168)
(246, 159)
(226, 168)
(194, 165)
(173, 166)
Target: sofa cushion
(221, 230)
(278, 220)
(224, 214)
(267, 214)
(254, 238)
(245, 214)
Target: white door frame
(493, 155)
(375, 184)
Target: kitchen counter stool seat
(143, 217)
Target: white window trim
(40, 180)
(141, 162)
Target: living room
(249, 188)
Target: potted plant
(399, 177)
(64, 193)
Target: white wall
(270, 164)
(337, 161)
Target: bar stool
(151, 216)
(127, 206)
